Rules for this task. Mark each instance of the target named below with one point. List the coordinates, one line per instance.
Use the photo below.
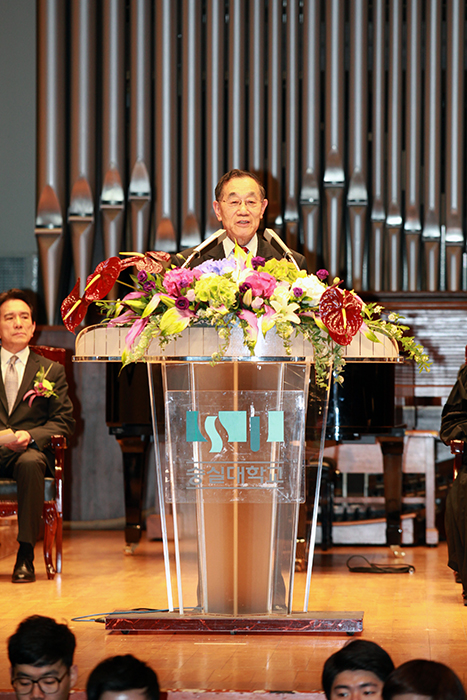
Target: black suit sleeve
(454, 415)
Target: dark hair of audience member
(40, 641)
(18, 294)
(422, 677)
(357, 655)
(119, 673)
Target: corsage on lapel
(42, 387)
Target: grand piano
(364, 408)
(128, 416)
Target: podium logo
(235, 424)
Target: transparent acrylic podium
(235, 437)
(232, 474)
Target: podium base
(197, 623)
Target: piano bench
(418, 458)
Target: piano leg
(392, 449)
(134, 473)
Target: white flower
(282, 295)
(311, 287)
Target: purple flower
(182, 303)
(322, 274)
(297, 291)
(258, 261)
(142, 276)
(215, 267)
(244, 287)
(148, 286)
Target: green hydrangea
(282, 270)
(216, 291)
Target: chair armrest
(59, 445)
(457, 449)
(58, 441)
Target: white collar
(22, 355)
(229, 245)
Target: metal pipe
(50, 169)
(139, 189)
(166, 151)
(311, 132)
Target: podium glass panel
(234, 474)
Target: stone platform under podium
(296, 623)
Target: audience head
(123, 677)
(356, 670)
(17, 324)
(423, 680)
(41, 658)
(240, 204)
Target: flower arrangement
(41, 387)
(243, 290)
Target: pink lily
(124, 318)
(134, 295)
(136, 330)
(252, 321)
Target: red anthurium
(152, 262)
(101, 281)
(341, 313)
(73, 308)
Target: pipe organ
(351, 112)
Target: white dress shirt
(20, 365)
(229, 246)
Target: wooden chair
(53, 488)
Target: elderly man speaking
(239, 205)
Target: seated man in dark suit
(239, 205)
(34, 412)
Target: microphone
(215, 237)
(271, 235)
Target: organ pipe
(323, 100)
(50, 169)
(81, 211)
(140, 166)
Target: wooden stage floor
(410, 615)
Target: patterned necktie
(11, 382)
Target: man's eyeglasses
(48, 684)
(235, 204)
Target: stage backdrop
(352, 112)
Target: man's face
(241, 208)
(357, 685)
(24, 673)
(16, 325)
